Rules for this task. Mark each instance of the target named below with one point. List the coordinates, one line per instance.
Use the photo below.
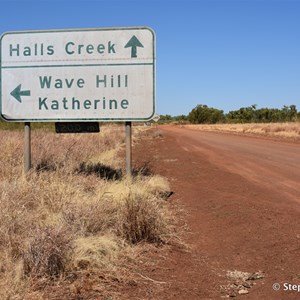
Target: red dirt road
(240, 199)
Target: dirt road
(240, 199)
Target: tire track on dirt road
(272, 164)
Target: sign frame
(20, 93)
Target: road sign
(78, 75)
(156, 118)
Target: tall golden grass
(74, 214)
(281, 130)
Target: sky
(225, 54)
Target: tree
(202, 114)
(166, 118)
(251, 114)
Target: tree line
(202, 114)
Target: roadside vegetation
(202, 114)
(19, 126)
(289, 131)
(75, 225)
(271, 122)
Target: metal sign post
(27, 147)
(128, 146)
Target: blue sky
(225, 54)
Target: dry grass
(282, 130)
(70, 217)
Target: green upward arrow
(134, 43)
(17, 93)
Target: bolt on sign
(78, 75)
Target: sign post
(128, 146)
(27, 147)
(78, 75)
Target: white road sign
(156, 118)
(78, 75)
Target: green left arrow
(17, 93)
